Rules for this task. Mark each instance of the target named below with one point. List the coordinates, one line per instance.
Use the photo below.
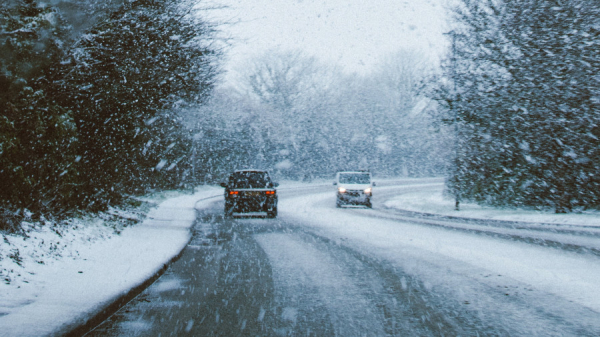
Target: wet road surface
(279, 277)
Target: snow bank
(54, 297)
(432, 201)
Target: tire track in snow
(303, 275)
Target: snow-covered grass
(56, 276)
(44, 242)
(432, 200)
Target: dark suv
(250, 191)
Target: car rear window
(355, 178)
(249, 180)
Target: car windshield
(249, 179)
(355, 178)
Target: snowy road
(321, 271)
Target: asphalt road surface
(252, 276)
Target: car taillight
(233, 192)
(270, 192)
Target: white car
(354, 188)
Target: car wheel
(228, 211)
(368, 204)
(338, 203)
(272, 213)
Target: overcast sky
(354, 34)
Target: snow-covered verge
(59, 276)
(432, 200)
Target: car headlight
(368, 190)
(342, 190)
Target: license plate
(252, 194)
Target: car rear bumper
(244, 205)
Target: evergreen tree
(521, 94)
(555, 84)
(36, 134)
(126, 78)
(87, 119)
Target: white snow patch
(570, 276)
(161, 164)
(94, 266)
(434, 201)
(284, 165)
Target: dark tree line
(523, 92)
(89, 118)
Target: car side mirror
(275, 184)
(335, 182)
(223, 184)
(374, 184)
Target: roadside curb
(82, 328)
(439, 216)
